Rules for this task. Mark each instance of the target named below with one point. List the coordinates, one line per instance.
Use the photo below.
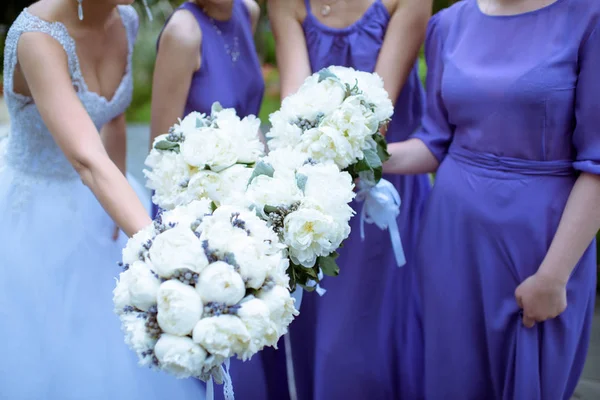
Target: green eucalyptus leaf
(328, 265)
(216, 107)
(167, 146)
(325, 73)
(372, 158)
(261, 168)
(301, 181)
(381, 147)
(270, 209)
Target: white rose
(281, 306)
(179, 308)
(180, 356)
(256, 317)
(134, 246)
(138, 287)
(219, 283)
(213, 149)
(137, 337)
(309, 234)
(177, 248)
(225, 335)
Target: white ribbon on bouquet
(297, 294)
(227, 384)
(381, 207)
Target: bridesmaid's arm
(177, 59)
(290, 44)
(254, 11)
(114, 136)
(543, 295)
(427, 148)
(403, 39)
(44, 65)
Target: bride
(65, 78)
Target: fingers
(528, 321)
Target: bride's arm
(177, 59)
(45, 68)
(290, 44)
(114, 136)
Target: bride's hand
(541, 297)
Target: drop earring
(148, 11)
(80, 9)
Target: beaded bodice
(31, 148)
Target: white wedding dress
(59, 338)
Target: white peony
(256, 316)
(352, 123)
(168, 176)
(190, 123)
(234, 181)
(177, 248)
(340, 190)
(186, 215)
(283, 133)
(253, 264)
(136, 336)
(225, 335)
(134, 247)
(137, 287)
(179, 308)
(212, 148)
(286, 160)
(326, 143)
(205, 184)
(180, 356)
(275, 191)
(281, 306)
(310, 234)
(220, 283)
(244, 134)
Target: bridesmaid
(206, 53)
(362, 339)
(507, 234)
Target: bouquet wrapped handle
(227, 384)
(381, 207)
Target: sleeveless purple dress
(363, 339)
(513, 117)
(230, 72)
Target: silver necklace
(233, 50)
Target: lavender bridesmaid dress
(231, 74)
(363, 339)
(513, 117)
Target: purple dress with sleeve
(513, 116)
(362, 339)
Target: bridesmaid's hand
(541, 297)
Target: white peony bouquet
(203, 156)
(307, 205)
(336, 116)
(201, 285)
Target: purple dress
(513, 116)
(362, 339)
(230, 72)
